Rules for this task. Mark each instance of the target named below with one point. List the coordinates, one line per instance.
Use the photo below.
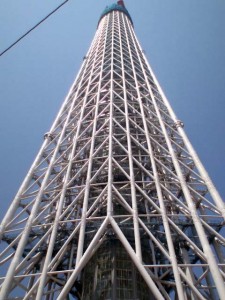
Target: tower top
(120, 6)
(120, 2)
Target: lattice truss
(116, 168)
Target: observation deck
(119, 6)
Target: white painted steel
(216, 274)
(116, 168)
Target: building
(117, 204)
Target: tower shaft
(117, 204)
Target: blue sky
(183, 41)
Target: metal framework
(117, 204)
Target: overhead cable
(35, 26)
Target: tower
(117, 204)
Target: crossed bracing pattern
(115, 166)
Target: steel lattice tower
(117, 204)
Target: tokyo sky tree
(117, 204)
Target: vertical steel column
(85, 202)
(159, 193)
(130, 155)
(197, 222)
(11, 271)
(212, 189)
(116, 167)
(110, 154)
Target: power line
(35, 26)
